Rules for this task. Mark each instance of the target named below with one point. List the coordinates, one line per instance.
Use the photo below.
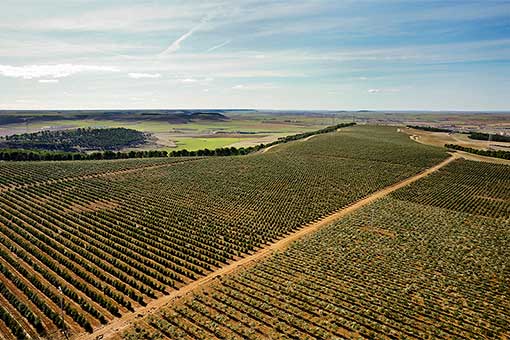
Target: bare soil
(441, 138)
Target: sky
(278, 54)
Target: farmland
(173, 129)
(429, 261)
(105, 238)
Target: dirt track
(479, 158)
(126, 320)
(440, 139)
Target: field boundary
(117, 325)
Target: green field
(248, 128)
(197, 143)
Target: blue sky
(282, 54)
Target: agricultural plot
(13, 174)
(403, 267)
(480, 188)
(101, 246)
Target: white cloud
(144, 75)
(48, 81)
(199, 81)
(188, 80)
(254, 87)
(219, 46)
(383, 90)
(52, 71)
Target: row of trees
(34, 155)
(428, 128)
(472, 135)
(490, 153)
(486, 136)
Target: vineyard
(15, 174)
(93, 240)
(419, 264)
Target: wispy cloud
(188, 80)
(254, 87)
(144, 75)
(176, 45)
(313, 49)
(225, 43)
(52, 71)
(48, 81)
(383, 91)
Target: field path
(117, 325)
(264, 150)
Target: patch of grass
(197, 143)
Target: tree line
(485, 136)
(429, 128)
(490, 153)
(36, 155)
(472, 134)
(75, 140)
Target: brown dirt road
(110, 330)
(474, 157)
(297, 140)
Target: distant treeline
(311, 133)
(485, 136)
(75, 140)
(472, 135)
(490, 153)
(232, 151)
(34, 155)
(428, 128)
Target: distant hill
(174, 116)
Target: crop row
(468, 186)
(112, 244)
(394, 269)
(22, 173)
